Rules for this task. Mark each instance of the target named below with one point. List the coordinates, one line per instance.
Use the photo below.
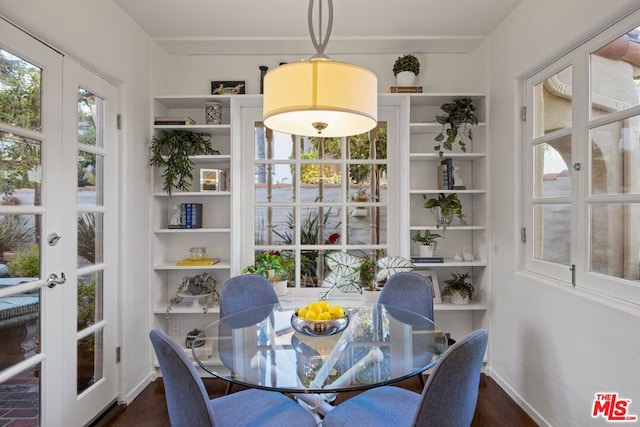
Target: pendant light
(320, 97)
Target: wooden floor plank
(494, 408)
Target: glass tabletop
(259, 348)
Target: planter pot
(426, 251)
(456, 298)
(280, 287)
(371, 295)
(441, 219)
(405, 78)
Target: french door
(58, 236)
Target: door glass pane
(615, 157)
(19, 324)
(20, 170)
(367, 226)
(89, 360)
(90, 170)
(20, 96)
(614, 78)
(19, 246)
(20, 399)
(615, 240)
(319, 225)
(552, 103)
(552, 225)
(551, 171)
(90, 118)
(89, 300)
(90, 238)
(279, 189)
(372, 145)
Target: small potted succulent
(444, 208)
(428, 242)
(458, 288)
(276, 267)
(405, 69)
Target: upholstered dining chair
(448, 398)
(409, 291)
(241, 293)
(412, 292)
(190, 406)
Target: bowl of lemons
(320, 318)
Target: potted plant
(199, 286)
(457, 114)
(458, 288)
(444, 208)
(428, 242)
(405, 69)
(274, 266)
(171, 150)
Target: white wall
(192, 75)
(100, 35)
(551, 346)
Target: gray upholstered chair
(190, 406)
(409, 291)
(448, 398)
(241, 293)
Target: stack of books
(190, 216)
(174, 121)
(445, 175)
(202, 262)
(405, 89)
(427, 260)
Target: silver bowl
(319, 328)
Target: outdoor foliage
(26, 262)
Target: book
(196, 215)
(443, 180)
(427, 260)
(198, 262)
(448, 180)
(405, 89)
(174, 121)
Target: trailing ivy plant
(171, 151)
(456, 121)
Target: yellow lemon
(325, 305)
(323, 316)
(310, 315)
(336, 312)
(315, 306)
(303, 312)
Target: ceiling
(253, 27)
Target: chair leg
(228, 389)
(421, 379)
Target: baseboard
(139, 388)
(535, 415)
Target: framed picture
(433, 278)
(228, 87)
(209, 180)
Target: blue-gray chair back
(187, 399)
(450, 395)
(410, 291)
(246, 291)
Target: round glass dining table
(259, 348)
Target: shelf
(191, 230)
(451, 263)
(437, 99)
(193, 194)
(431, 127)
(197, 101)
(171, 265)
(454, 156)
(435, 191)
(478, 306)
(449, 227)
(178, 309)
(214, 129)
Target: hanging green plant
(171, 150)
(456, 122)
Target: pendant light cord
(319, 43)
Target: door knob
(53, 280)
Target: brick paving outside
(20, 400)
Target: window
(583, 158)
(315, 195)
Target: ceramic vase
(458, 299)
(213, 113)
(405, 78)
(426, 251)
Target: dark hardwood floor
(494, 408)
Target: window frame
(581, 201)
